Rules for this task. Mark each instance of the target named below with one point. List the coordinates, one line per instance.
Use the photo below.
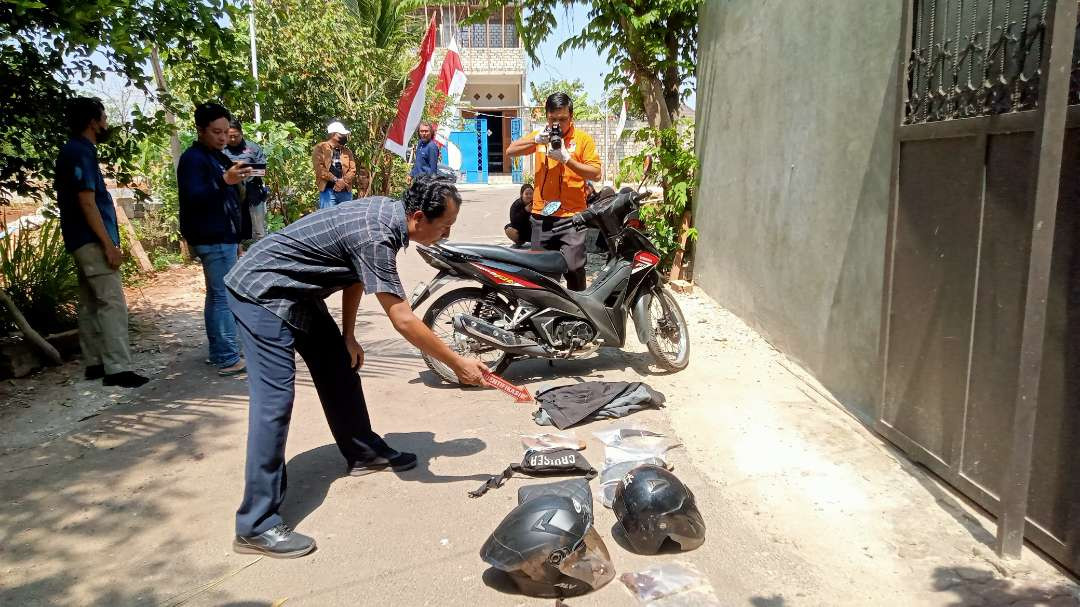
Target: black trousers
(269, 346)
(571, 244)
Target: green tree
(651, 45)
(317, 64)
(52, 49)
(583, 108)
(390, 21)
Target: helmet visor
(590, 562)
(687, 529)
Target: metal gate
(981, 348)
(474, 150)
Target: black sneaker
(279, 543)
(126, 379)
(95, 372)
(398, 461)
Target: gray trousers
(103, 313)
(258, 220)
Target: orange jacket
(554, 181)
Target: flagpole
(254, 61)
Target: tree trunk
(31, 335)
(163, 91)
(136, 246)
(174, 137)
(656, 109)
(684, 236)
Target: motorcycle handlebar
(581, 220)
(575, 223)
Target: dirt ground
(127, 497)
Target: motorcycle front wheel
(670, 341)
(474, 302)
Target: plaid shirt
(292, 271)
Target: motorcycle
(521, 310)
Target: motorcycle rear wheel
(440, 319)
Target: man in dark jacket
(213, 223)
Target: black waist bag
(551, 462)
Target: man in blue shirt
(426, 159)
(214, 224)
(88, 224)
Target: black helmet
(549, 548)
(653, 505)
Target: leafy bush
(675, 170)
(289, 179)
(40, 276)
(163, 259)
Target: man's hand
(236, 173)
(470, 371)
(543, 137)
(340, 185)
(561, 155)
(356, 352)
(114, 256)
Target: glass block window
(496, 33)
(479, 35)
(510, 36)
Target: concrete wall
(625, 146)
(795, 122)
(492, 60)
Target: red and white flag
(411, 105)
(451, 82)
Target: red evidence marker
(519, 394)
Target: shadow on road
(312, 472)
(982, 587)
(55, 515)
(586, 369)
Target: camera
(555, 136)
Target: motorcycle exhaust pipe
(502, 339)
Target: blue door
(517, 163)
(475, 161)
(469, 145)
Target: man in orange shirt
(562, 168)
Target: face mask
(105, 134)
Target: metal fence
(974, 58)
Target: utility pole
(607, 140)
(254, 60)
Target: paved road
(136, 506)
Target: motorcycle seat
(545, 262)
